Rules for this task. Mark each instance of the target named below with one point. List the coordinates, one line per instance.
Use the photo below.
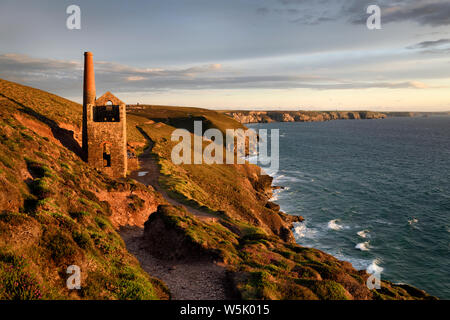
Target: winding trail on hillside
(148, 174)
(186, 280)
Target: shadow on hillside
(146, 136)
(66, 137)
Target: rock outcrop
(301, 116)
(260, 265)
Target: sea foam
(363, 233)
(275, 195)
(333, 224)
(363, 246)
(374, 267)
(302, 231)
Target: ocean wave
(302, 231)
(363, 233)
(357, 263)
(363, 246)
(275, 195)
(283, 178)
(333, 224)
(374, 267)
(252, 158)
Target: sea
(375, 193)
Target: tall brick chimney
(89, 79)
(88, 95)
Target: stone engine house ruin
(104, 127)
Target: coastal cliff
(57, 211)
(240, 228)
(301, 116)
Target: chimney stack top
(89, 79)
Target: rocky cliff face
(301, 116)
(259, 265)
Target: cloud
(136, 78)
(430, 44)
(433, 14)
(67, 76)
(307, 12)
(418, 85)
(19, 63)
(425, 12)
(441, 46)
(262, 11)
(112, 67)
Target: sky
(236, 54)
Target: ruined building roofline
(108, 96)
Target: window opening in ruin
(108, 113)
(106, 155)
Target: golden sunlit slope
(56, 211)
(177, 117)
(59, 111)
(49, 105)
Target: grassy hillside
(182, 117)
(56, 211)
(261, 266)
(177, 117)
(237, 191)
(51, 215)
(29, 100)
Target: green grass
(197, 184)
(40, 187)
(82, 239)
(79, 215)
(61, 246)
(17, 282)
(183, 117)
(50, 216)
(9, 163)
(49, 105)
